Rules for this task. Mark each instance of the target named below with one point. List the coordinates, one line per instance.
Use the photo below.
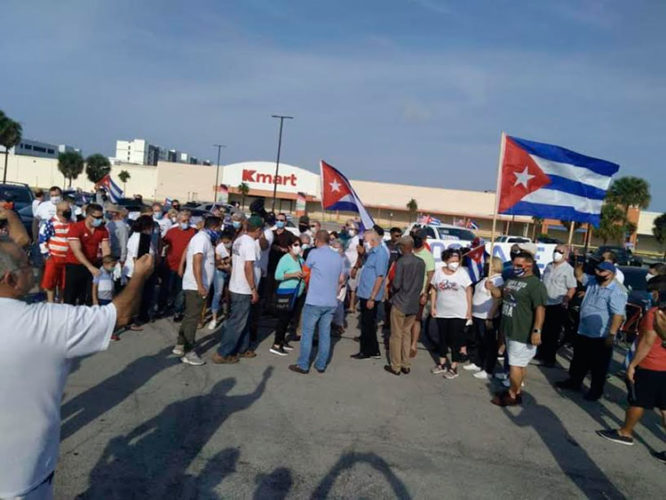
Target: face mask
(453, 266)
(518, 272)
(157, 215)
(236, 224)
(600, 279)
(108, 216)
(227, 245)
(367, 246)
(303, 228)
(279, 224)
(109, 269)
(305, 246)
(351, 232)
(174, 219)
(55, 199)
(184, 226)
(67, 214)
(176, 207)
(97, 222)
(649, 276)
(296, 250)
(558, 256)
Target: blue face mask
(236, 224)
(97, 222)
(157, 215)
(518, 272)
(184, 226)
(279, 224)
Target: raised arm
(129, 299)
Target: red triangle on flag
(520, 175)
(333, 185)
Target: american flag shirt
(53, 238)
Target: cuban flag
(551, 182)
(112, 189)
(338, 194)
(472, 225)
(475, 260)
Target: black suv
(623, 255)
(17, 193)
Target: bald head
(321, 238)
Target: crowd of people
(228, 270)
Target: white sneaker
(481, 375)
(178, 350)
(192, 358)
(278, 350)
(438, 369)
(212, 324)
(471, 367)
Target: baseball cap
(530, 248)
(110, 207)
(606, 266)
(304, 219)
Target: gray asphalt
(139, 424)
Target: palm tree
(630, 192)
(659, 230)
(613, 223)
(70, 165)
(243, 189)
(412, 206)
(124, 176)
(97, 166)
(10, 136)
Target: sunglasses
(296, 245)
(97, 217)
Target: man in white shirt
(158, 216)
(245, 275)
(31, 393)
(352, 254)
(46, 210)
(197, 279)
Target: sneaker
(451, 373)
(223, 360)
(661, 456)
(472, 367)
(298, 369)
(212, 325)
(378, 356)
(616, 437)
(481, 375)
(192, 358)
(278, 350)
(287, 347)
(438, 369)
(179, 350)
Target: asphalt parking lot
(139, 424)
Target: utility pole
(277, 163)
(217, 171)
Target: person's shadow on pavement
(151, 461)
(86, 407)
(572, 459)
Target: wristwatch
(537, 330)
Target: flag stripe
(546, 196)
(572, 172)
(562, 155)
(553, 212)
(565, 185)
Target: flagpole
(497, 189)
(571, 232)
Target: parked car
(445, 232)
(504, 238)
(549, 240)
(19, 194)
(639, 299)
(26, 216)
(624, 256)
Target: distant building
(28, 147)
(141, 152)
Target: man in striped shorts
(54, 246)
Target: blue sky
(409, 91)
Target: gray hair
(374, 235)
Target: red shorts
(54, 274)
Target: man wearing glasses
(86, 238)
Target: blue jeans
(236, 334)
(311, 316)
(218, 287)
(339, 314)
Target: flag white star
(523, 177)
(334, 185)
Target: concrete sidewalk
(139, 424)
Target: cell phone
(631, 387)
(144, 245)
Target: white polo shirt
(200, 243)
(38, 342)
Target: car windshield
(15, 193)
(453, 233)
(634, 278)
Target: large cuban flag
(338, 194)
(112, 189)
(551, 182)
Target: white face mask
(55, 199)
(366, 245)
(305, 246)
(558, 256)
(453, 266)
(351, 232)
(296, 250)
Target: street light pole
(217, 171)
(277, 162)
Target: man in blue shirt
(326, 278)
(371, 292)
(601, 315)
